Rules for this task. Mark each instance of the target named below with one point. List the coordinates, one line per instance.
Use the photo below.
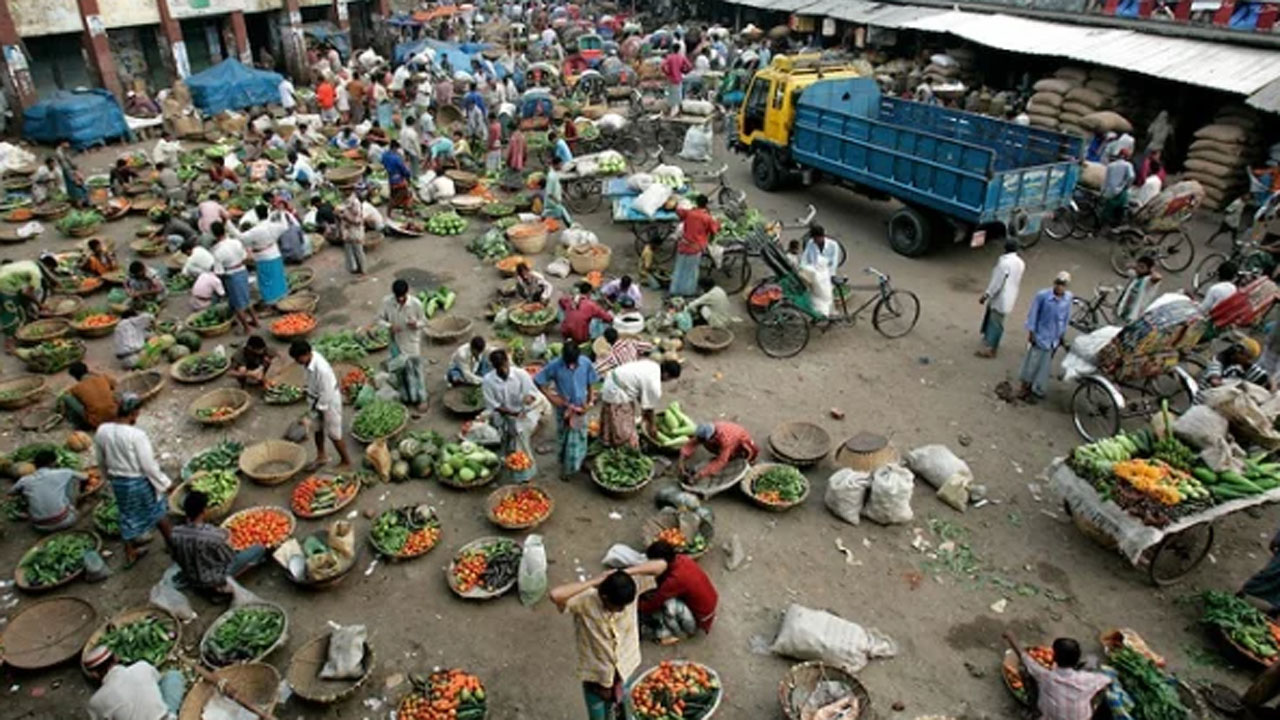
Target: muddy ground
(925, 388)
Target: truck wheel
(765, 173)
(910, 233)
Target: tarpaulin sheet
(460, 56)
(327, 32)
(83, 118)
(232, 86)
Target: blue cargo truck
(959, 176)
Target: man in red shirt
(579, 311)
(674, 67)
(725, 440)
(326, 96)
(684, 601)
(699, 228)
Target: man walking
(125, 456)
(325, 400)
(403, 314)
(573, 379)
(1046, 324)
(1000, 296)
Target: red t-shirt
(577, 318)
(699, 227)
(687, 582)
(325, 95)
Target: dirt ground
(925, 388)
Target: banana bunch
(1095, 460)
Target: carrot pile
(214, 414)
(519, 461)
(353, 379)
(448, 695)
(294, 324)
(421, 540)
(90, 283)
(98, 320)
(522, 507)
(319, 494)
(268, 527)
(675, 690)
(20, 214)
(595, 278)
(1013, 675)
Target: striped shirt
(1065, 694)
(608, 642)
(1217, 369)
(203, 552)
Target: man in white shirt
(624, 387)
(548, 36)
(1000, 296)
(287, 100)
(166, 151)
(199, 260)
(411, 144)
(125, 456)
(512, 400)
(300, 170)
(468, 364)
(325, 400)
(403, 314)
(1224, 288)
(229, 253)
(133, 692)
(398, 77)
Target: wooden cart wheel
(1177, 555)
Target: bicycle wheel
(1082, 316)
(1175, 251)
(783, 333)
(665, 248)
(733, 273)
(1087, 222)
(1094, 411)
(1168, 386)
(1029, 240)
(1059, 225)
(763, 297)
(635, 151)
(896, 313)
(1207, 271)
(1125, 249)
(1179, 554)
(583, 196)
(840, 252)
(731, 201)
(1222, 233)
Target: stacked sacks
(1092, 107)
(1045, 105)
(1221, 154)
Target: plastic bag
(611, 121)
(559, 268)
(538, 348)
(346, 653)
(937, 465)
(298, 430)
(442, 188)
(573, 237)
(166, 595)
(621, 555)
(890, 500)
(697, 143)
(379, 458)
(846, 493)
(808, 634)
(342, 538)
(640, 181)
(1241, 403)
(30, 230)
(532, 580)
(482, 433)
(240, 595)
(1200, 427)
(653, 198)
(95, 568)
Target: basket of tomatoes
(405, 532)
(293, 326)
(264, 525)
(1020, 684)
(484, 568)
(674, 688)
(445, 695)
(317, 496)
(519, 507)
(95, 323)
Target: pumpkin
(21, 470)
(79, 441)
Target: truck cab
(767, 114)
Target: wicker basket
(803, 678)
(224, 617)
(455, 401)
(709, 339)
(497, 496)
(528, 238)
(711, 711)
(346, 175)
(532, 330)
(290, 336)
(86, 286)
(256, 683)
(272, 462)
(432, 516)
(41, 330)
(866, 452)
(300, 279)
(40, 419)
(213, 512)
(83, 232)
(99, 330)
(304, 302)
(293, 521)
(209, 331)
(462, 179)
(748, 482)
(709, 487)
(304, 673)
(128, 616)
(448, 328)
(670, 518)
(467, 204)
(20, 573)
(47, 632)
(51, 210)
(477, 593)
(60, 306)
(621, 492)
(47, 366)
(593, 257)
(800, 443)
(148, 247)
(20, 391)
(146, 384)
(176, 374)
(234, 398)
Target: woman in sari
(77, 191)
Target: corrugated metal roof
(887, 15)
(1268, 98)
(1220, 66)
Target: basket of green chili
(247, 633)
(148, 633)
(55, 560)
(774, 486)
(379, 419)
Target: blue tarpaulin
(232, 86)
(460, 56)
(327, 32)
(84, 118)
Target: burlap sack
(1224, 185)
(1072, 129)
(1092, 98)
(1249, 125)
(1053, 85)
(1244, 112)
(1106, 121)
(1044, 121)
(1105, 75)
(1108, 89)
(1077, 107)
(1212, 169)
(1092, 174)
(1045, 110)
(1224, 148)
(1234, 161)
(1223, 133)
(942, 70)
(1075, 75)
(1050, 99)
(1069, 118)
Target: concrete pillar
(16, 69)
(213, 39)
(341, 15)
(295, 48)
(173, 48)
(383, 8)
(97, 50)
(240, 38)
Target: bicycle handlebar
(879, 275)
(808, 218)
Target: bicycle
(1250, 260)
(1172, 250)
(1089, 315)
(758, 303)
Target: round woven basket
(208, 331)
(224, 617)
(272, 462)
(448, 328)
(467, 204)
(84, 231)
(213, 512)
(60, 306)
(528, 238)
(96, 331)
(41, 330)
(176, 374)
(86, 286)
(800, 443)
(47, 365)
(801, 680)
(455, 400)
(304, 302)
(234, 398)
(20, 391)
(462, 180)
(346, 175)
(20, 574)
(497, 496)
(533, 330)
(477, 593)
(300, 279)
(711, 711)
(404, 423)
(256, 683)
(51, 210)
(670, 518)
(403, 555)
(129, 616)
(289, 336)
(748, 482)
(589, 258)
(146, 384)
(293, 522)
(304, 673)
(709, 339)
(621, 492)
(148, 247)
(47, 632)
